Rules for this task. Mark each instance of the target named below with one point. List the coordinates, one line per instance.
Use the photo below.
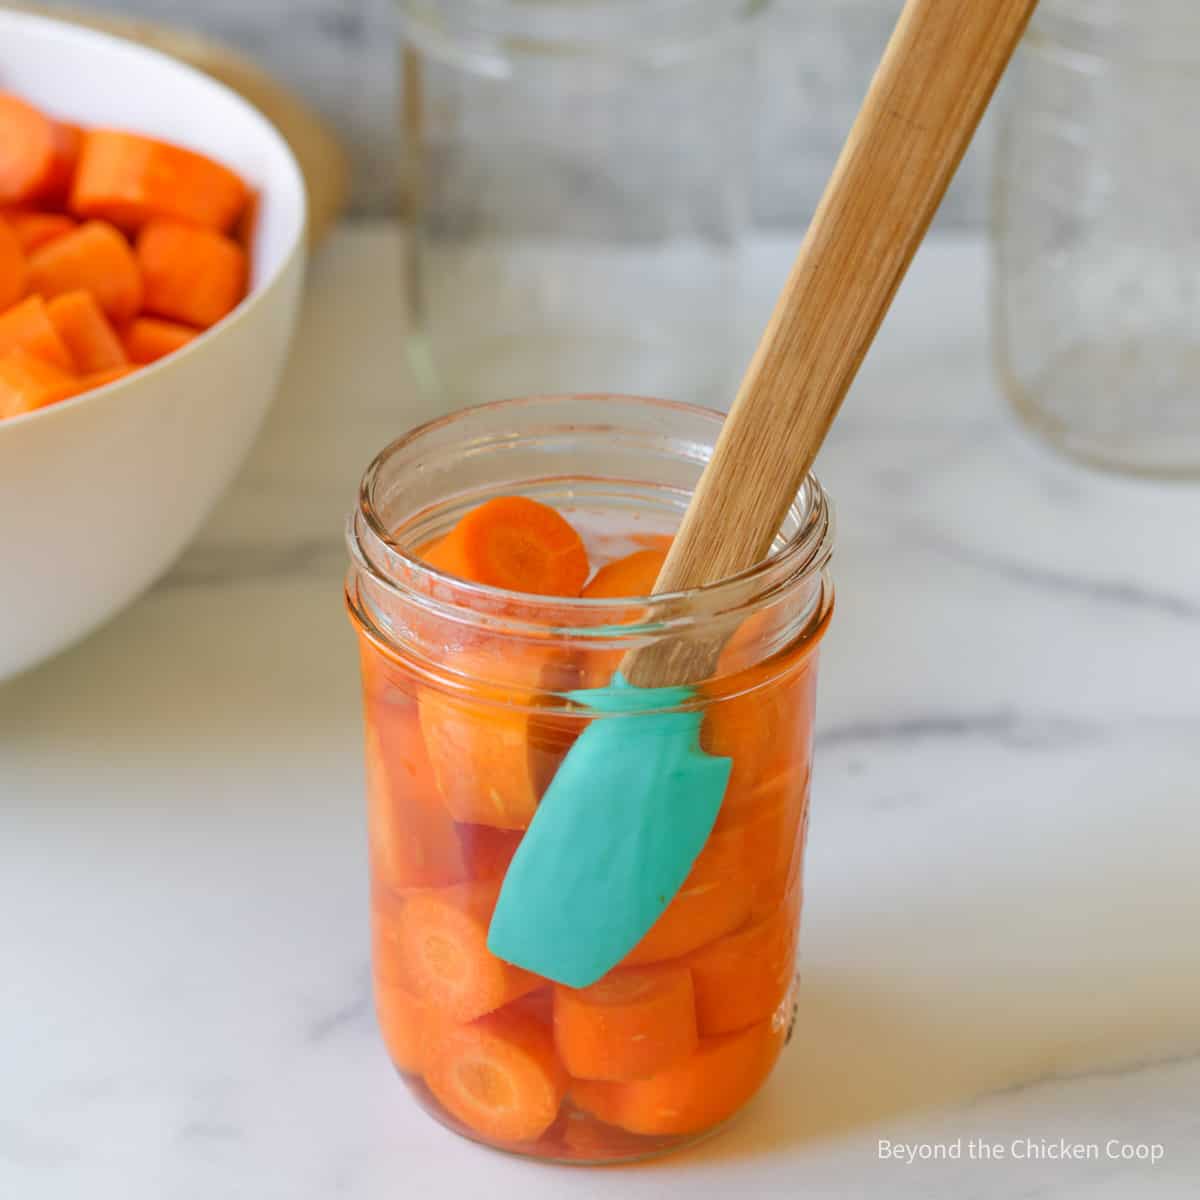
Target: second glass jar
(576, 177)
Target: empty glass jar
(1097, 233)
(576, 176)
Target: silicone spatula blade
(613, 839)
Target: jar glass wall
(1096, 240)
(470, 706)
(576, 178)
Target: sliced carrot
(652, 541)
(436, 942)
(95, 258)
(407, 1025)
(29, 143)
(28, 326)
(516, 543)
(491, 761)
(129, 179)
(488, 850)
(194, 276)
(14, 271)
(499, 1076)
(743, 978)
(99, 379)
(147, 339)
(412, 838)
(68, 142)
(86, 332)
(34, 229)
(28, 382)
(631, 576)
(714, 900)
(766, 727)
(703, 1090)
(630, 1025)
(247, 226)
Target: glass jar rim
(488, 34)
(796, 563)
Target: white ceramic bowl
(99, 494)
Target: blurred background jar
(576, 175)
(1097, 233)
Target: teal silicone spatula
(636, 798)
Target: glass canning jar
(467, 718)
(1096, 234)
(576, 175)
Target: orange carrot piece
(412, 839)
(488, 850)
(630, 1025)
(68, 142)
(631, 576)
(515, 543)
(34, 229)
(703, 1090)
(98, 379)
(94, 258)
(191, 275)
(714, 900)
(743, 978)
(129, 179)
(247, 226)
(14, 271)
(652, 541)
(499, 1076)
(436, 945)
(147, 339)
(28, 326)
(28, 382)
(481, 758)
(407, 1025)
(767, 727)
(29, 144)
(86, 332)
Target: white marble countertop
(1000, 937)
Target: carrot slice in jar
(434, 944)
(480, 757)
(412, 839)
(629, 1025)
(714, 900)
(499, 1076)
(766, 728)
(488, 851)
(515, 543)
(703, 1090)
(743, 978)
(631, 576)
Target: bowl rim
(11, 19)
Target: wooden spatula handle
(939, 72)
